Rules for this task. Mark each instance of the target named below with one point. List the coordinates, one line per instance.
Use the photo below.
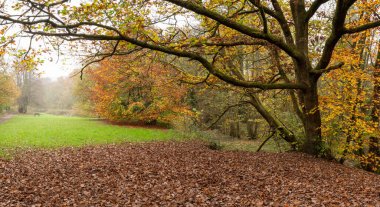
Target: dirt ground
(180, 174)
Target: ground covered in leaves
(180, 174)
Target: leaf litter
(180, 174)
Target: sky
(53, 67)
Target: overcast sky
(63, 67)
(53, 67)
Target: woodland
(304, 74)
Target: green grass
(223, 142)
(253, 145)
(48, 131)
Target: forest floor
(179, 174)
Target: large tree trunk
(312, 123)
(308, 97)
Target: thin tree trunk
(252, 128)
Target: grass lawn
(48, 131)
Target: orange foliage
(8, 90)
(135, 91)
(346, 103)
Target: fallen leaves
(180, 174)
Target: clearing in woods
(160, 173)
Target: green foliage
(215, 144)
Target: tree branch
(283, 23)
(337, 32)
(362, 27)
(55, 25)
(230, 44)
(193, 56)
(296, 106)
(328, 69)
(224, 112)
(266, 139)
(265, 9)
(313, 8)
(291, 51)
(263, 18)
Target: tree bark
(312, 123)
(308, 97)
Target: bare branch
(223, 113)
(266, 139)
(29, 47)
(104, 56)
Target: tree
(24, 69)
(8, 91)
(58, 94)
(284, 26)
(348, 103)
(135, 91)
